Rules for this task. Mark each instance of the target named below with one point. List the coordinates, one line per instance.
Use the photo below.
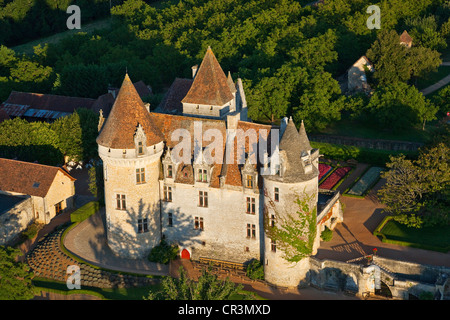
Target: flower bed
(335, 177)
(324, 169)
(366, 181)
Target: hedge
(364, 155)
(85, 211)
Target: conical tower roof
(210, 85)
(127, 113)
(294, 144)
(304, 141)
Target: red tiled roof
(126, 114)
(27, 178)
(210, 86)
(49, 101)
(405, 37)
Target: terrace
(326, 200)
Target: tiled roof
(405, 37)
(27, 178)
(126, 114)
(210, 86)
(177, 91)
(49, 101)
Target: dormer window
(249, 181)
(140, 141)
(169, 173)
(202, 175)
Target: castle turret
(296, 178)
(130, 146)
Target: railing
(221, 264)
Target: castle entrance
(185, 254)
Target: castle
(160, 182)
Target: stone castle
(210, 209)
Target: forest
(290, 55)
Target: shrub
(326, 234)
(163, 253)
(255, 270)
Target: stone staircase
(48, 260)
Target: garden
(366, 182)
(334, 179)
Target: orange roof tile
(27, 178)
(126, 114)
(210, 86)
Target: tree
(399, 106)
(320, 102)
(294, 234)
(68, 129)
(417, 192)
(208, 287)
(15, 277)
(394, 62)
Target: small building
(49, 107)
(406, 40)
(356, 75)
(51, 189)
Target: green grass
(133, 293)
(430, 238)
(358, 129)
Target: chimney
(194, 70)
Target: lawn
(430, 238)
(357, 129)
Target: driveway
(353, 237)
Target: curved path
(87, 241)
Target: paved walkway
(88, 241)
(438, 84)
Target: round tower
(130, 146)
(295, 179)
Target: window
(251, 207)
(251, 231)
(276, 193)
(202, 175)
(140, 175)
(272, 220)
(121, 202)
(249, 181)
(142, 225)
(169, 171)
(170, 215)
(167, 193)
(140, 148)
(273, 245)
(198, 223)
(203, 199)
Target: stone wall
(16, 219)
(367, 143)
